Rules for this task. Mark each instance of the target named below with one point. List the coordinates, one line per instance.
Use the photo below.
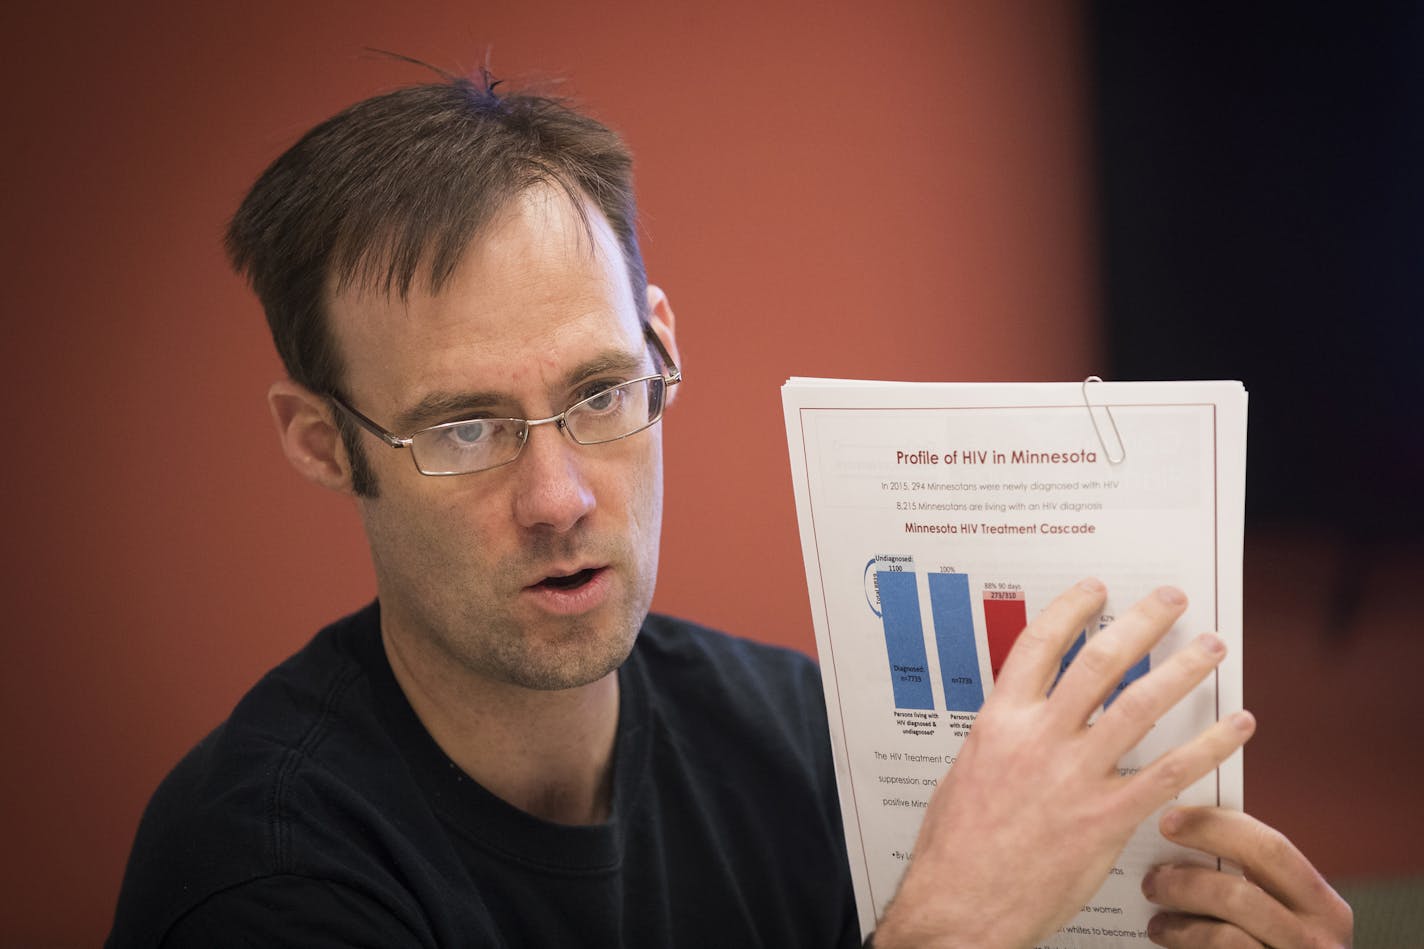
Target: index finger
(1032, 663)
(1269, 859)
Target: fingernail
(1171, 596)
(1149, 884)
(1155, 925)
(1212, 644)
(1092, 585)
(1243, 721)
(1171, 823)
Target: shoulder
(300, 768)
(296, 719)
(261, 913)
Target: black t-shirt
(323, 814)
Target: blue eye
(469, 434)
(604, 401)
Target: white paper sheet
(936, 519)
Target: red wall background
(892, 190)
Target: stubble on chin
(581, 654)
(554, 653)
(549, 653)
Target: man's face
(538, 573)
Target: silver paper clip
(1092, 417)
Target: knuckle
(1337, 918)
(1344, 916)
(1172, 773)
(1211, 934)
(1238, 897)
(987, 728)
(1100, 659)
(1135, 703)
(1205, 933)
(1001, 728)
(1035, 636)
(1104, 810)
(1315, 939)
(1273, 846)
(1229, 937)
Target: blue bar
(904, 639)
(1070, 655)
(954, 638)
(1143, 666)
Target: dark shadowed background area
(909, 190)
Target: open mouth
(571, 582)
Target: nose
(552, 488)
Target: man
(506, 749)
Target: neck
(548, 753)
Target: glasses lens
(616, 412)
(471, 445)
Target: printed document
(938, 519)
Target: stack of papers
(938, 519)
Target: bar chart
(904, 639)
(954, 637)
(895, 598)
(1005, 616)
(894, 593)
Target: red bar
(1005, 616)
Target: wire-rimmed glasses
(466, 446)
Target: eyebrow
(441, 405)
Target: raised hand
(1029, 820)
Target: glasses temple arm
(671, 372)
(389, 438)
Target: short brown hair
(396, 187)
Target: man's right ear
(310, 438)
